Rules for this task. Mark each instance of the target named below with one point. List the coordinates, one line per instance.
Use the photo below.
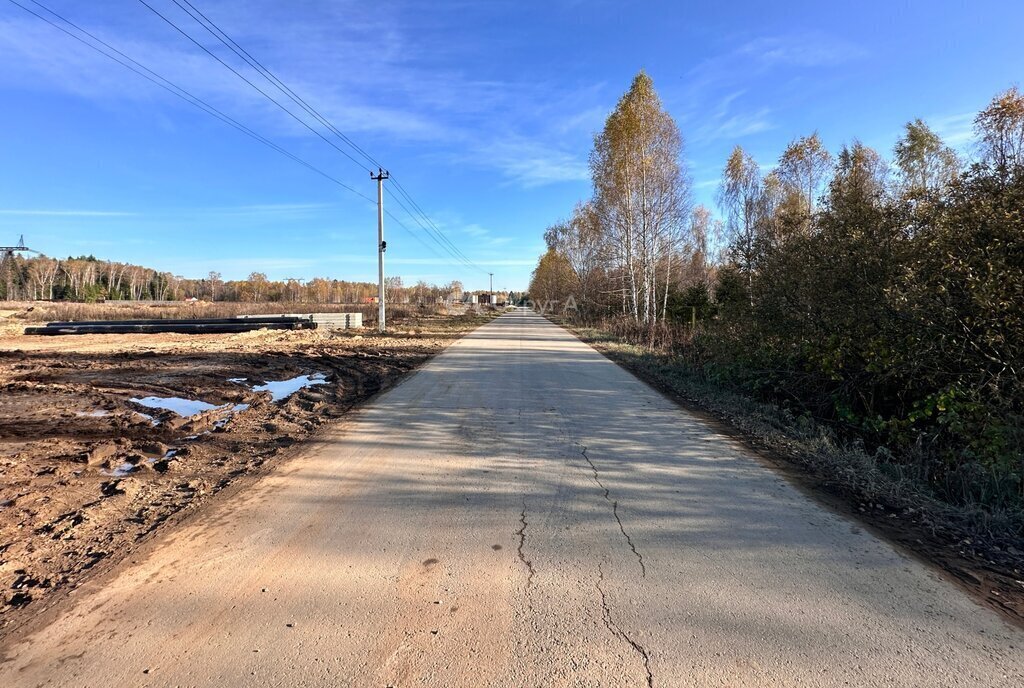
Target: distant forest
(89, 279)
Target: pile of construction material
(337, 321)
(194, 326)
(324, 321)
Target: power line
(415, 205)
(431, 228)
(224, 38)
(465, 261)
(133, 65)
(173, 88)
(169, 86)
(243, 78)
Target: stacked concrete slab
(324, 321)
(337, 321)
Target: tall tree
(860, 174)
(925, 163)
(803, 167)
(641, 195)
(215, 284)
(701, 238)
(1000, 130)
(551, 282)
(741, 196)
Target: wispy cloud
(65, 213)
(716, 99)
(726, 125)
(956, 130)
(530, 163)
(369, 71)
(809, 50)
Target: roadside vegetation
(865, 316)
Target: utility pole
(381, 245)
(490, 298)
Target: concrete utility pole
(490, 298)
(381, 245)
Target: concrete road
(521, 512)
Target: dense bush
(888, 306)
(900, 322)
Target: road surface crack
(613, 628)
(521, 533)
(615, 513)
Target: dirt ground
(88, 467)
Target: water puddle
(156, 459)
(182, 407)
(282, 389)
(186, 408)
(122, 470)
(237, 380)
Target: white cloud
(531, 163)
(809, 50)
(65, 213)
(368, 69)
(956, 130)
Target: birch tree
(581, 241)
(925, 163)
(741, 194)
(640, 194)
(1000, 130)
(803, 168)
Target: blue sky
(485, 111)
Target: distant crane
(7, 262)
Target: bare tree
(582, 242)
(215, 284)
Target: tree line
(88, 279)
(882, 296)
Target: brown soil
(84, 475)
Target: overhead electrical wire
(176, 90)
(243, 78)
(141, 70)
(223, 37)
(416, 212)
